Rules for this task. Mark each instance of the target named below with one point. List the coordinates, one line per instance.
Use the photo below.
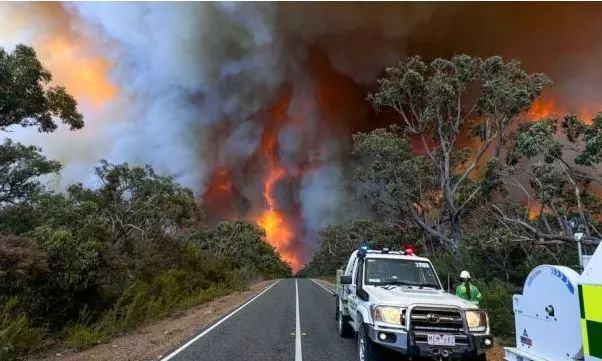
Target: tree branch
(535, 232)
(474, 163)
(470, 197)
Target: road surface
(291, 320)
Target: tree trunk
(456, 231)
(500, 141)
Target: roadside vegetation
(80, 266)
(465, 178)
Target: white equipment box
(547, 317)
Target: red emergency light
(410, 251)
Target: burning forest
(253, 105)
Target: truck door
(345, 290)
(351, 296)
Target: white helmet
(465, 275)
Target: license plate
(441, 340)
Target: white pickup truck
(395, 300)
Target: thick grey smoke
(186, 67)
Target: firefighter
(467, 290)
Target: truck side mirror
(345, 280)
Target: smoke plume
(251, 104)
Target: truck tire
(366, 349)
(343, 326)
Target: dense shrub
(17, 336)
(497, 301)
(96, 262)
(21, 262)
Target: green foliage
(536, 139)
(592, 153)
(558, 181)
(388, 170)
(507, 90)
(497, 301)
(141, 302)
(19, 168)
(27, 100)
(73, 262)
(17, 336)
(81, 337)
(244, 243)
(98, 262)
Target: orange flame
(535, 210)
(278, 232)
(542, 109)
(545, 108)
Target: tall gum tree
(460, 110)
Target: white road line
(321, 285)
(168, 357)
(298, 355)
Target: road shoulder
(150, 341)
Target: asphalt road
(291, 320)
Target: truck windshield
(391, 271)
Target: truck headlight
(477, 321)
(389, 314)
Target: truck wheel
(343, 327)
(366, 349)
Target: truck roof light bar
(363, 251)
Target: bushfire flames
(223, 192)
(545, 108)
(266, 188)
(278, 232)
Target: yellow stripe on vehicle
(592, 299)
(584, 336)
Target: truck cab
(396, 300)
